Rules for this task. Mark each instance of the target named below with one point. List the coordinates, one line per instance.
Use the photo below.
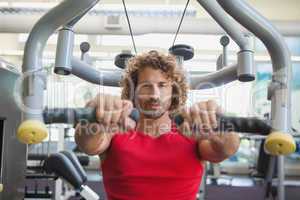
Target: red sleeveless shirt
(141, 167)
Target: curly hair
(167, 64)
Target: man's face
(153, 93)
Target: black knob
(186, 51)
(85, 47)
(121, 59)
(225, 40)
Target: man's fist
(200, 120)
(112, 113)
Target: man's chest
(165, 155)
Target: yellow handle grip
(278, 143)
(32, 132)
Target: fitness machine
(64, 16)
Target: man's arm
(112, 115)
(200, 121)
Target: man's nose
(155, 93)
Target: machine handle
(237, 124)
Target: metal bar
(215, 79)
(269, 175)
(86, 72)
(40, 176)
(225, 56)
(281, 177)
(64, 51)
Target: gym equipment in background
(66, 165)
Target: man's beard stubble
(151, 114)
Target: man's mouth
(155, 106)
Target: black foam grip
(238, 124)
(226, 123)
(60, 165)
(75, 115)
(72, 157)
(69, 115)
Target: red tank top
(141, 167)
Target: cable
(129, 25)
(186, 5)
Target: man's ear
(134, 99)
(174, 103)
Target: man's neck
(154, 127)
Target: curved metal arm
(215, 79)
(42, 30)
(113, 78)
(86, 72)
(50, 22)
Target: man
(152, 158)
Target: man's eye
(146, 86)
(163, 85)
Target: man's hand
(200, 120)
(112, 113)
